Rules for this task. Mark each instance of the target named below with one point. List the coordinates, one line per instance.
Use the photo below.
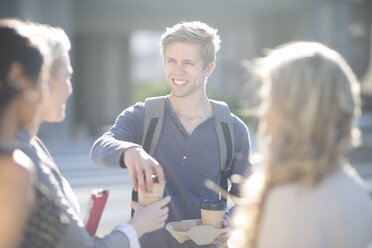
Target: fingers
(162, 220)
(163, 202)
(134, 205)
(223, 237)
(157, 214)
(148, 176)
(226, 221)
(164, 212)
(130, 162)
(161, 206)
(158, 170)
(133, 177)
(140, 178)
(141, 166)
(160, 225)
(163, 216)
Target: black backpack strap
(153, 123)
(134, 198)
(225, 132)
(226, 172)
(150, 133)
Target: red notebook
(95, 209)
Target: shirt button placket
(186, 153)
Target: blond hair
(194, 32)
(53, 42)
(313, 95)
(56, 41)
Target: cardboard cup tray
(194, 230)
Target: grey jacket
(75, 235)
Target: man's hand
(141, 167)
(151, 217)
(223, 237)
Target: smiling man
(184, 147)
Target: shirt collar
(23, 134)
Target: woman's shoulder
(284, 193)
(24, 161)
(343, 187)
(346, 181)
(16, 167)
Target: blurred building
(101, 32)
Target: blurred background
(117, 62)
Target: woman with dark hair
(21, 85)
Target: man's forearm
(108, 151)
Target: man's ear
(209, 69)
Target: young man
(188, 150)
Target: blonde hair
(53, 42)
(194, 32)
(56, 40)
(313, 95)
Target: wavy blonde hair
(313, 95)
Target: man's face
(184, 68)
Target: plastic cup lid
(213, 204)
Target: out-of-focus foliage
(143, 90)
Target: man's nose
(180, 67)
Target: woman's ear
(17, 77)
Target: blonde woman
(305, 194)
(53, 106)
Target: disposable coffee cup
(146, 198)
(212, 212)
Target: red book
(95, 209)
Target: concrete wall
(100, 32)
(103, 86)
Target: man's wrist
(122, 159)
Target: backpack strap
(225, 134)
(153, 123)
